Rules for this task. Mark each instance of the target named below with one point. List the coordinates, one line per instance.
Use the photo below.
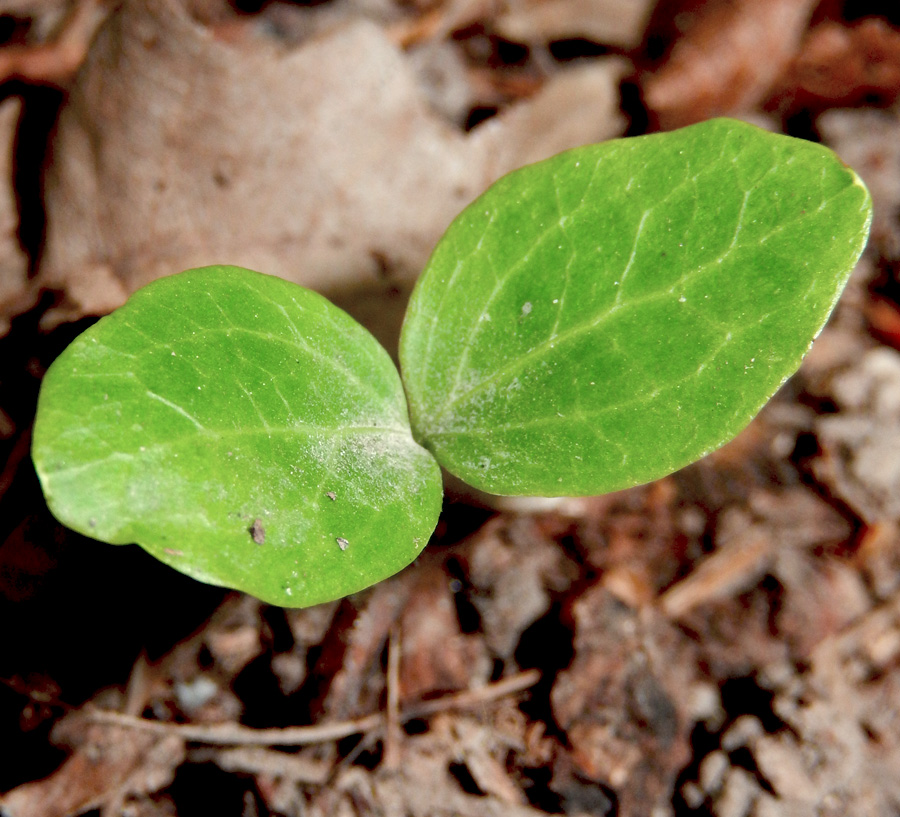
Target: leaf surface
(605, 317)
(243, 430)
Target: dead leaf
(353, 648)
(623, 701)
(109, 765)
(513, 570)
(612, 22)
(425, 784)
(435, 655)
(322, 163)
(726, 61)
(841, 66)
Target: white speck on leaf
(342, 542)
(526, 308)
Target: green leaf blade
(606, 317)
(242, 430)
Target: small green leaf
(605, 317)
(243, 430)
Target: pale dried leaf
(575, 107)
(324, 163)
(111, 764)
(355, 688)
(611, 22)
(726, 62)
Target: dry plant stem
(729, 570)
(236, 735)
(392, 727)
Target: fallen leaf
(110, 764)
(726, 61)
(611, 22)
(841, 66)
(436, 655)
(322, 163)
(623, 702)
(514, 570)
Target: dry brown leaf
(733, 568)
(513, 570)
(424, 784)
(323, 163)
(727, 60)
(611, 22)
(624, 702)
(841, 66)
(576, 106)
(109, 765)
(435, 655)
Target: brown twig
(230, 734)
(392, 726)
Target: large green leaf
(609, 315)
(243, 430)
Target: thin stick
(392, 727)
(229, 734)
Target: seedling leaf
(605, 317)
(243, 430)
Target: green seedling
(592, 322)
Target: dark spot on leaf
(257, 531)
